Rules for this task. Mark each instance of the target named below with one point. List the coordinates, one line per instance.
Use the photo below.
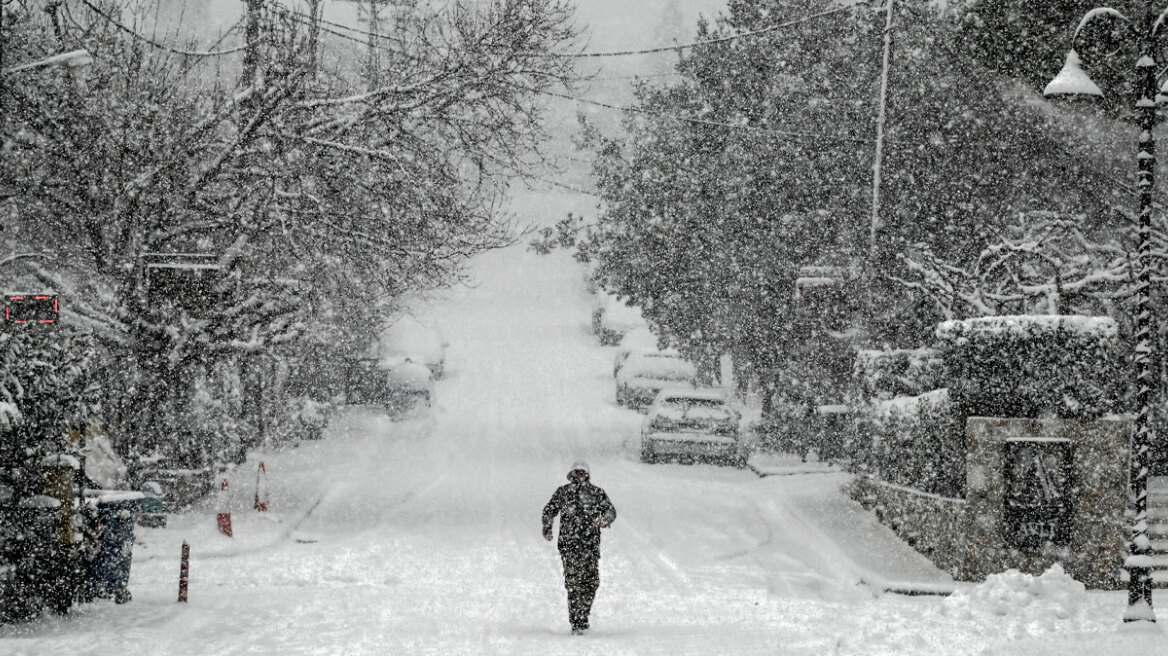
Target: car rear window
(695, 408)
(664, 368)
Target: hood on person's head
(581, 467)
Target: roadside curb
(876, 583)
(910, 589)
(794, 472)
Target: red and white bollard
(184, 572)
(223, 519)
(261, 500)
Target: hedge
(1033, 366)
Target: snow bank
(1036, 601)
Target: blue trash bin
(109, 568)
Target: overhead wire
(707, 42)
(304, 19)
(586, 55)
(155, 44)
(698, 121)
(309, 20)
(351, 29)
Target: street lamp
(72, 59)
(1072, 81)
(75, 60)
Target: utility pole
(314, 10)
(373, 62)
(878, 162)
(251, 55)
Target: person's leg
(577, 584)
(589, 583)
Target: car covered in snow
(645, 373)
(409, 388)
(409, 338)
(693, 423)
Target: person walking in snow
(584, 509)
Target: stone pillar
(1098, 482)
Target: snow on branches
(1046, 263)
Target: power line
(160, 46)
(698, 121)
(304, 19)
(732, 37)
(352, 29)
(632, 77)
(618, 53)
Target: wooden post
(184, 572)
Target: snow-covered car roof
(409, 374)
(692, 404)
(657, 364)
(696, 393)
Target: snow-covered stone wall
(974, 537)
(934, 525)
(1095, 550)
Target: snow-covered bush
(1030, 366)
(917, 442)
(883, 375)
(46, 392)
(299, 418)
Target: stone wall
(968, 537)
(1096, 549)
(932, 524)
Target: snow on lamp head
(1162, 97)
(1072, 82)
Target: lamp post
(72, 59)
(1072, 81)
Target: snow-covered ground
(422, 536)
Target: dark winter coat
(583, 509)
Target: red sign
(29, 309)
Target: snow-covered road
(422, 536)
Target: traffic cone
(261, 501)
(223, 519)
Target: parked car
(693, 423)
(637, 339)
(409, 387)
(612, 319)
(644, 373)
(410, 338)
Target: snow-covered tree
(319, 199)
(759, 163)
